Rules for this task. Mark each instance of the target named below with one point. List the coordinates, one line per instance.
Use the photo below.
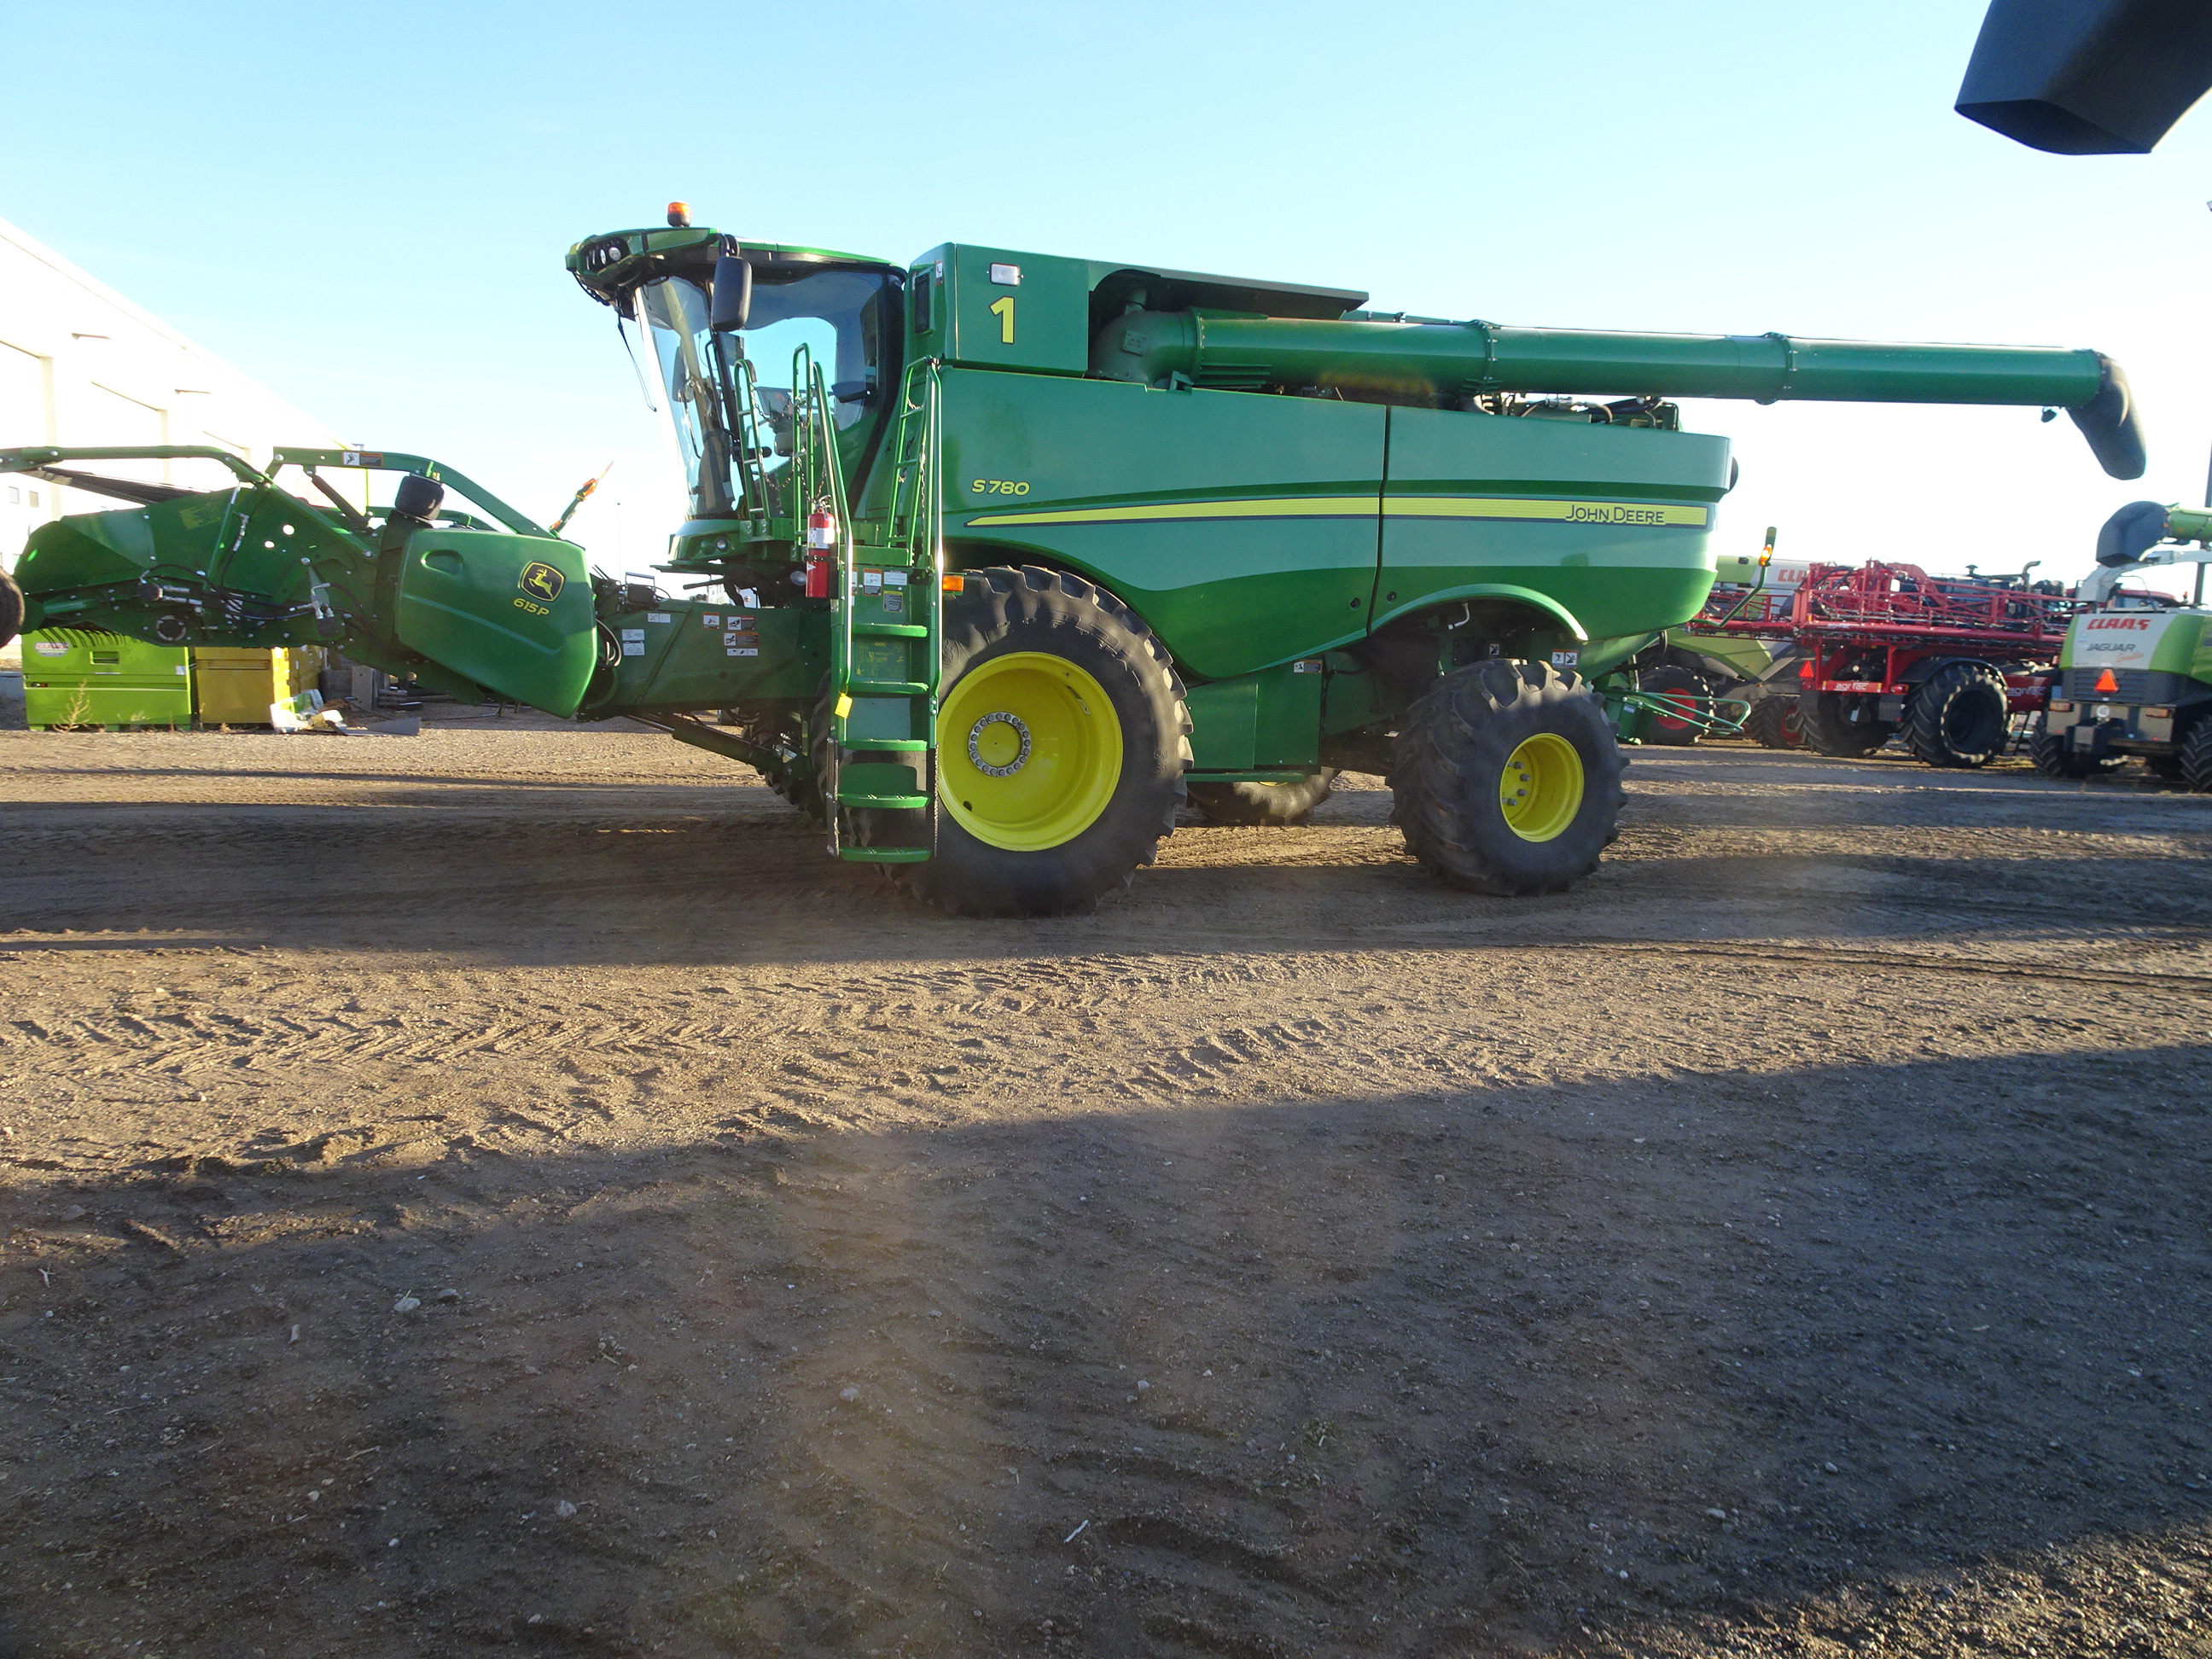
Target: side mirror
(733, 293)
(418, 497)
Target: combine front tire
(1958, 716)
(11, 608)
(1506, 779)
(1677, 725)
(1266, 806)
(1842, 726)
(1062, 741)
(1774, 723)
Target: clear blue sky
(366, 208)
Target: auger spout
(1458, 361)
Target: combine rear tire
(2197, 756)
(1676, 730)
(1774, 723)
(1506, 779)
(1062, 741)
(11, 608)
(1842, 726)
(1957, 717)
(2056, 758)
(1265, 805)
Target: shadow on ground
(1519, 1369)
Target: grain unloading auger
(994, 560)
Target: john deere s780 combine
(995, 558)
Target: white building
(80, 364)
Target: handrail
(30, 460)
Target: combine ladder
(885, 638)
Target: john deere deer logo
(542, 580)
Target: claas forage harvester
(995, 559)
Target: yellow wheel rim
(1029, 751)
(1541, 788)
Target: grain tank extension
(996, 561)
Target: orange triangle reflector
(2107, 682)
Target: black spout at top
(2087, 78)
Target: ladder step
(891, 630)
(883, 803)
(884, 854)
(886, 689)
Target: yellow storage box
(236, 686)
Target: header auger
(995, 561)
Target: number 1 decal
(1003, 309)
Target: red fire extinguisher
(821, 549)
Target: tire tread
(1459, 734)
(1033, 596)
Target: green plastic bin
(77, 677)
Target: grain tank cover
(1116, 288)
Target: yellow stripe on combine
(1296, 507)
(1362, 507)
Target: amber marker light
(680, 215)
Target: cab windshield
(839, 319)
(837, 316)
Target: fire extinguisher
(821, 549)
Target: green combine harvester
(994, 560)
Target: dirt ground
(504, 1188)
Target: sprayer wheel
(1061, 743)
(1506, 779)
(1842, 726)
(1958, 716)
(1775, 723)
(1676, 730)
(1263, 806)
